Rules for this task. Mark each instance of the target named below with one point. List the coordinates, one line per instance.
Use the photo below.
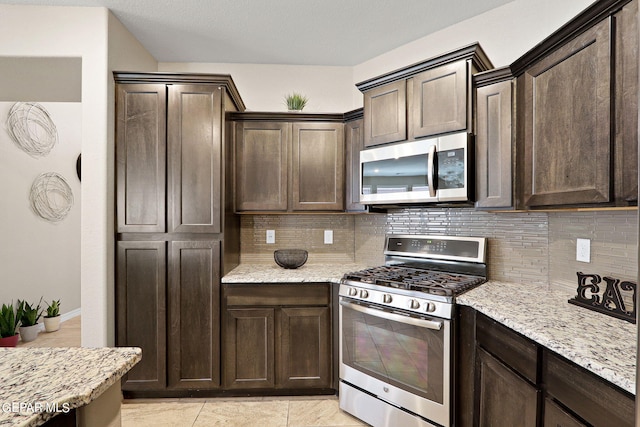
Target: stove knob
(431, 307)
(386, 298)
(413, 304)
(353, 292)
(364, 294)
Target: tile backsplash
(523, 247)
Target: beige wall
(40, 31)
(263, 87)
(505, 33)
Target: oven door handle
(429, 324)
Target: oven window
(406, 356)
(401, 175)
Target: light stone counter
(37, 383)
(272, 273)
(602, 344)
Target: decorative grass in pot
(29, 316)
(8, 325)
(296, 101)
(52, 318)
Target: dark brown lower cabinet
(249, 348)
(168, 298)
(194, 314)
(520, 383)
(141, 311)
(277, 337)
(555, 416)
(504, 398)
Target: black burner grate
(428, 281)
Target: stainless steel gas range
(396, 329)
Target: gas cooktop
(413, 279)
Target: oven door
(423, 171)
(401, 359)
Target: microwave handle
(431, 171)
(423, 323)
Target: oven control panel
(399, 301)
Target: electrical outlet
(328, 237)
(271, 236)
(583, 250)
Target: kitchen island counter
(38, 383)
(599, 343)
(272, 273)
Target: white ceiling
(303, 32)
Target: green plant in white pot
(29, 316)
(295, 101)
(52, 318)
(8, 326)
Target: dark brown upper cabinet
(385, 117)
(289, 162)
(354, 143)
(440, 99)
(494, 139)
(194, 136)
(577, 112)
(428, 98)
(141, 157)
(262, 172)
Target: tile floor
(297, 411)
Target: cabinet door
(567, 123)
(317, 166)
(354, 143)
(503, 398)
(262, 165)
(440, 98)
(194, 314)
(593, 399)
(554, 416)
(304, 360)
(493, 146)
(385, 114)
(140, 296)
(249, 349)
(626, 96)
(140, 157)
(195, 147)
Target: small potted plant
(52, 318)
(29, 316)
(8, 326)
(295, 101)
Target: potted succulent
(52, 318)
(295, 101)
(8, 325)
(29, 316)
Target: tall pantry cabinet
(176, 234)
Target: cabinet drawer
(590, 397)
(277, 294)
(513, 349)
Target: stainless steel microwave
(423, 171)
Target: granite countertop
(66, 378)
(599, 343)
(272, 273)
